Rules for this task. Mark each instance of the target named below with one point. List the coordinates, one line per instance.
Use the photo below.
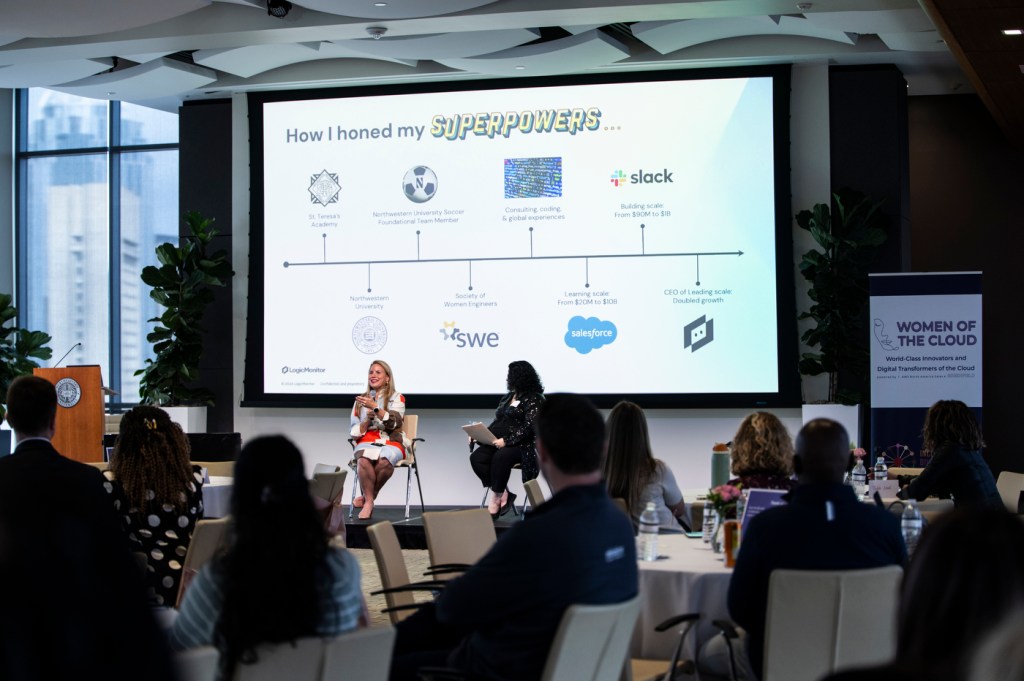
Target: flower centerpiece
(721, 505)
(859, 453)
(723, 499)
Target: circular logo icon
(369, 335)
(420, 184)
(68, 392)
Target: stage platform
(410, 532)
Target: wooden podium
(79, 411)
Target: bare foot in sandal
(367, 511)
(358, 502)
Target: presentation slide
(621, 237)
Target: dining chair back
(591, 642)
(299, 661)
(1010, 486)
(361, 655)
(410, 424)
(207, 538)
(458, 537)
(328, 486)
(325, 468)
(221, 468)
(820, 622)
(197, 664)
(392, 568)
(897, 471)
(534, 493)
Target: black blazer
(74, 604)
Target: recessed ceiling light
(520, 68)
(380, 4)
(1013, 31)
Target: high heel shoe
(508, 505)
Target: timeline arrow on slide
(513, 258)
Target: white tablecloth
(691, 578)
(217, 496)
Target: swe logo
(469, 339)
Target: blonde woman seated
(762, 453)
(377, 418)
(633, 474)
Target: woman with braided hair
(158, 494)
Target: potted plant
(848, 237)
(182, 285)
(19, 348)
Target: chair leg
(355, 487)
(483, 502)
(408, 489)
(416, 469)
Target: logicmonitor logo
(621, 179)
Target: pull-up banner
(925, 346)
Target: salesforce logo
(589, 333)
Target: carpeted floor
(416, 562)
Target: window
(97, 190)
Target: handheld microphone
(57, 364)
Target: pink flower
(859, 452)
(727, 493)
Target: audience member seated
(823, 527)
(956, 468)
(633, 474)
(72, 600)
(966, 579)
(497, 620)
(762, 453)
(158, 495)
(277, 580)
(513, 425)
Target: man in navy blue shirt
(823, 527)
(497, 621)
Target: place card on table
(759, 500)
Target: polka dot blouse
(162, 532)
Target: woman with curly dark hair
(956, 469)
(633, 474)
(513, 426)
(762, 453)
(278, 579)
(158, 494)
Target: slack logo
(619, 178)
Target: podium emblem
(68, 392)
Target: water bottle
(880, 469)
(708, 523)
(649, 533)
(859, 478)
(910, 524)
